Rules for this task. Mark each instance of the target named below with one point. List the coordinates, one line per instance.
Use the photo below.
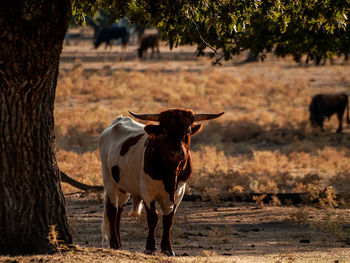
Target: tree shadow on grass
(78, 139)
(232, 137)
(240, 137)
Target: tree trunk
(31, 38)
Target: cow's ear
(196, 128)
(153, 130)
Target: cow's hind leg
(117, 225)
(123, 197)
(112, 214)
(340, 119)
(166, 243)
(152, 219)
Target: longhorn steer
(325, 105)
(152, 163)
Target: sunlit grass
(263, 143)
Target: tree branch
(200, 36)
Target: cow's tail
(137, 205)
(105, 227)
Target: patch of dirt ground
(212, 232)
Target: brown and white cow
(325, 105)
(152, 163)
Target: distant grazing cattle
(106, 34)
(325, 105)
(152, 163)
(148, 41)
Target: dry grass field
(262, 144)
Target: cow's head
(175, 127)
(169, 143)
(316, 120)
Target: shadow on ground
(224, 228)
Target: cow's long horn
(206, 116)
(146, 117)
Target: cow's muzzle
(177, 156)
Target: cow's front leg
(340, 119)
(166, 243)
(152, 219)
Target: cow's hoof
(169, 253)
(114, 246)
(117, 248)
(150, 251)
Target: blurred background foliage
(314, 30)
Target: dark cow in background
(325, 105)
(108, 33)
(148, 41)
(152, 163)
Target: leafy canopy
(314, 29)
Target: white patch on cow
(154, 190)
(110, 143)
(179, 194)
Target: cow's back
(117, 149)
(119, 32)
(332, 103)
(119, 130)
(149, 41)
(109, 33)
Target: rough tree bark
(31, 38)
